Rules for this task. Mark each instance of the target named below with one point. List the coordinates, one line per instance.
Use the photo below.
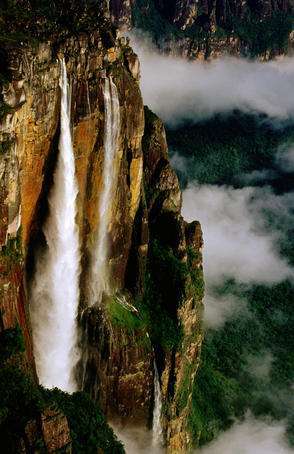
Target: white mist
(55, 290)
(99, 272)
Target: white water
(55, 290)
(156, 424)
(99, 275)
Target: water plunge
(55, 288)
(156, 423)
(99, 271)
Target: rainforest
(146, 226)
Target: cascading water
(156, 423)
(55, 289)
(99, 277)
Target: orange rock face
(146, 204)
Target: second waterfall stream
(99, 271)
(54, 292)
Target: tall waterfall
(156, 424)
(55, 290)
(99, 277)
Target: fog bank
(137, 440)
(240, 242)
(250, 437)
(178, 90)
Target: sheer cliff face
(210, 28)
(186, 12)
(148, 237)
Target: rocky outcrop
(50, 431)
(121, 12)
(183, 300)
(220, 12)
(205, 28)
(148, 237)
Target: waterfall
(55, 289)
(156, 424)
(99, 277)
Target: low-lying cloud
(260, 366)
(137, 440)
(179, 90)
(219, 309)
(250, 437)
(247, 437)
(240, 242)
(242, 228)
(285, 158)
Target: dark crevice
(37, 241)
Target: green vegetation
(22, 400)
(12, 248)
(124, 316)
(166, 279)
(248, 363)
(227, 383)
(88, 427)
(147, 17)
(185, 387)
(4, 109)
(163, 286)
(23, 21)
(258, 34)
(11, 342)
(197, 280)
(264, 34)
(5, 145)
(220, 150)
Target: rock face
(148, 237)
(205, 28)
(186, 12)
(121, 12)
(51, 431)
(183, 301)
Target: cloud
(257, 177)
(285, 158)
(250, 437)
(178, 162)
(260, 366)
(242, 229)
(218, 309)
(238, 243)
(137, 440)
(178, 90)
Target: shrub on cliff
(22, 400)
(88, 427)
(11, 342)
(32, 20)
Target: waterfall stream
(99, 275)
(156, 423)
(55, 289)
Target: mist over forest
(146, 226)
(230, 134)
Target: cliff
(154, 307)
(207, 29)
